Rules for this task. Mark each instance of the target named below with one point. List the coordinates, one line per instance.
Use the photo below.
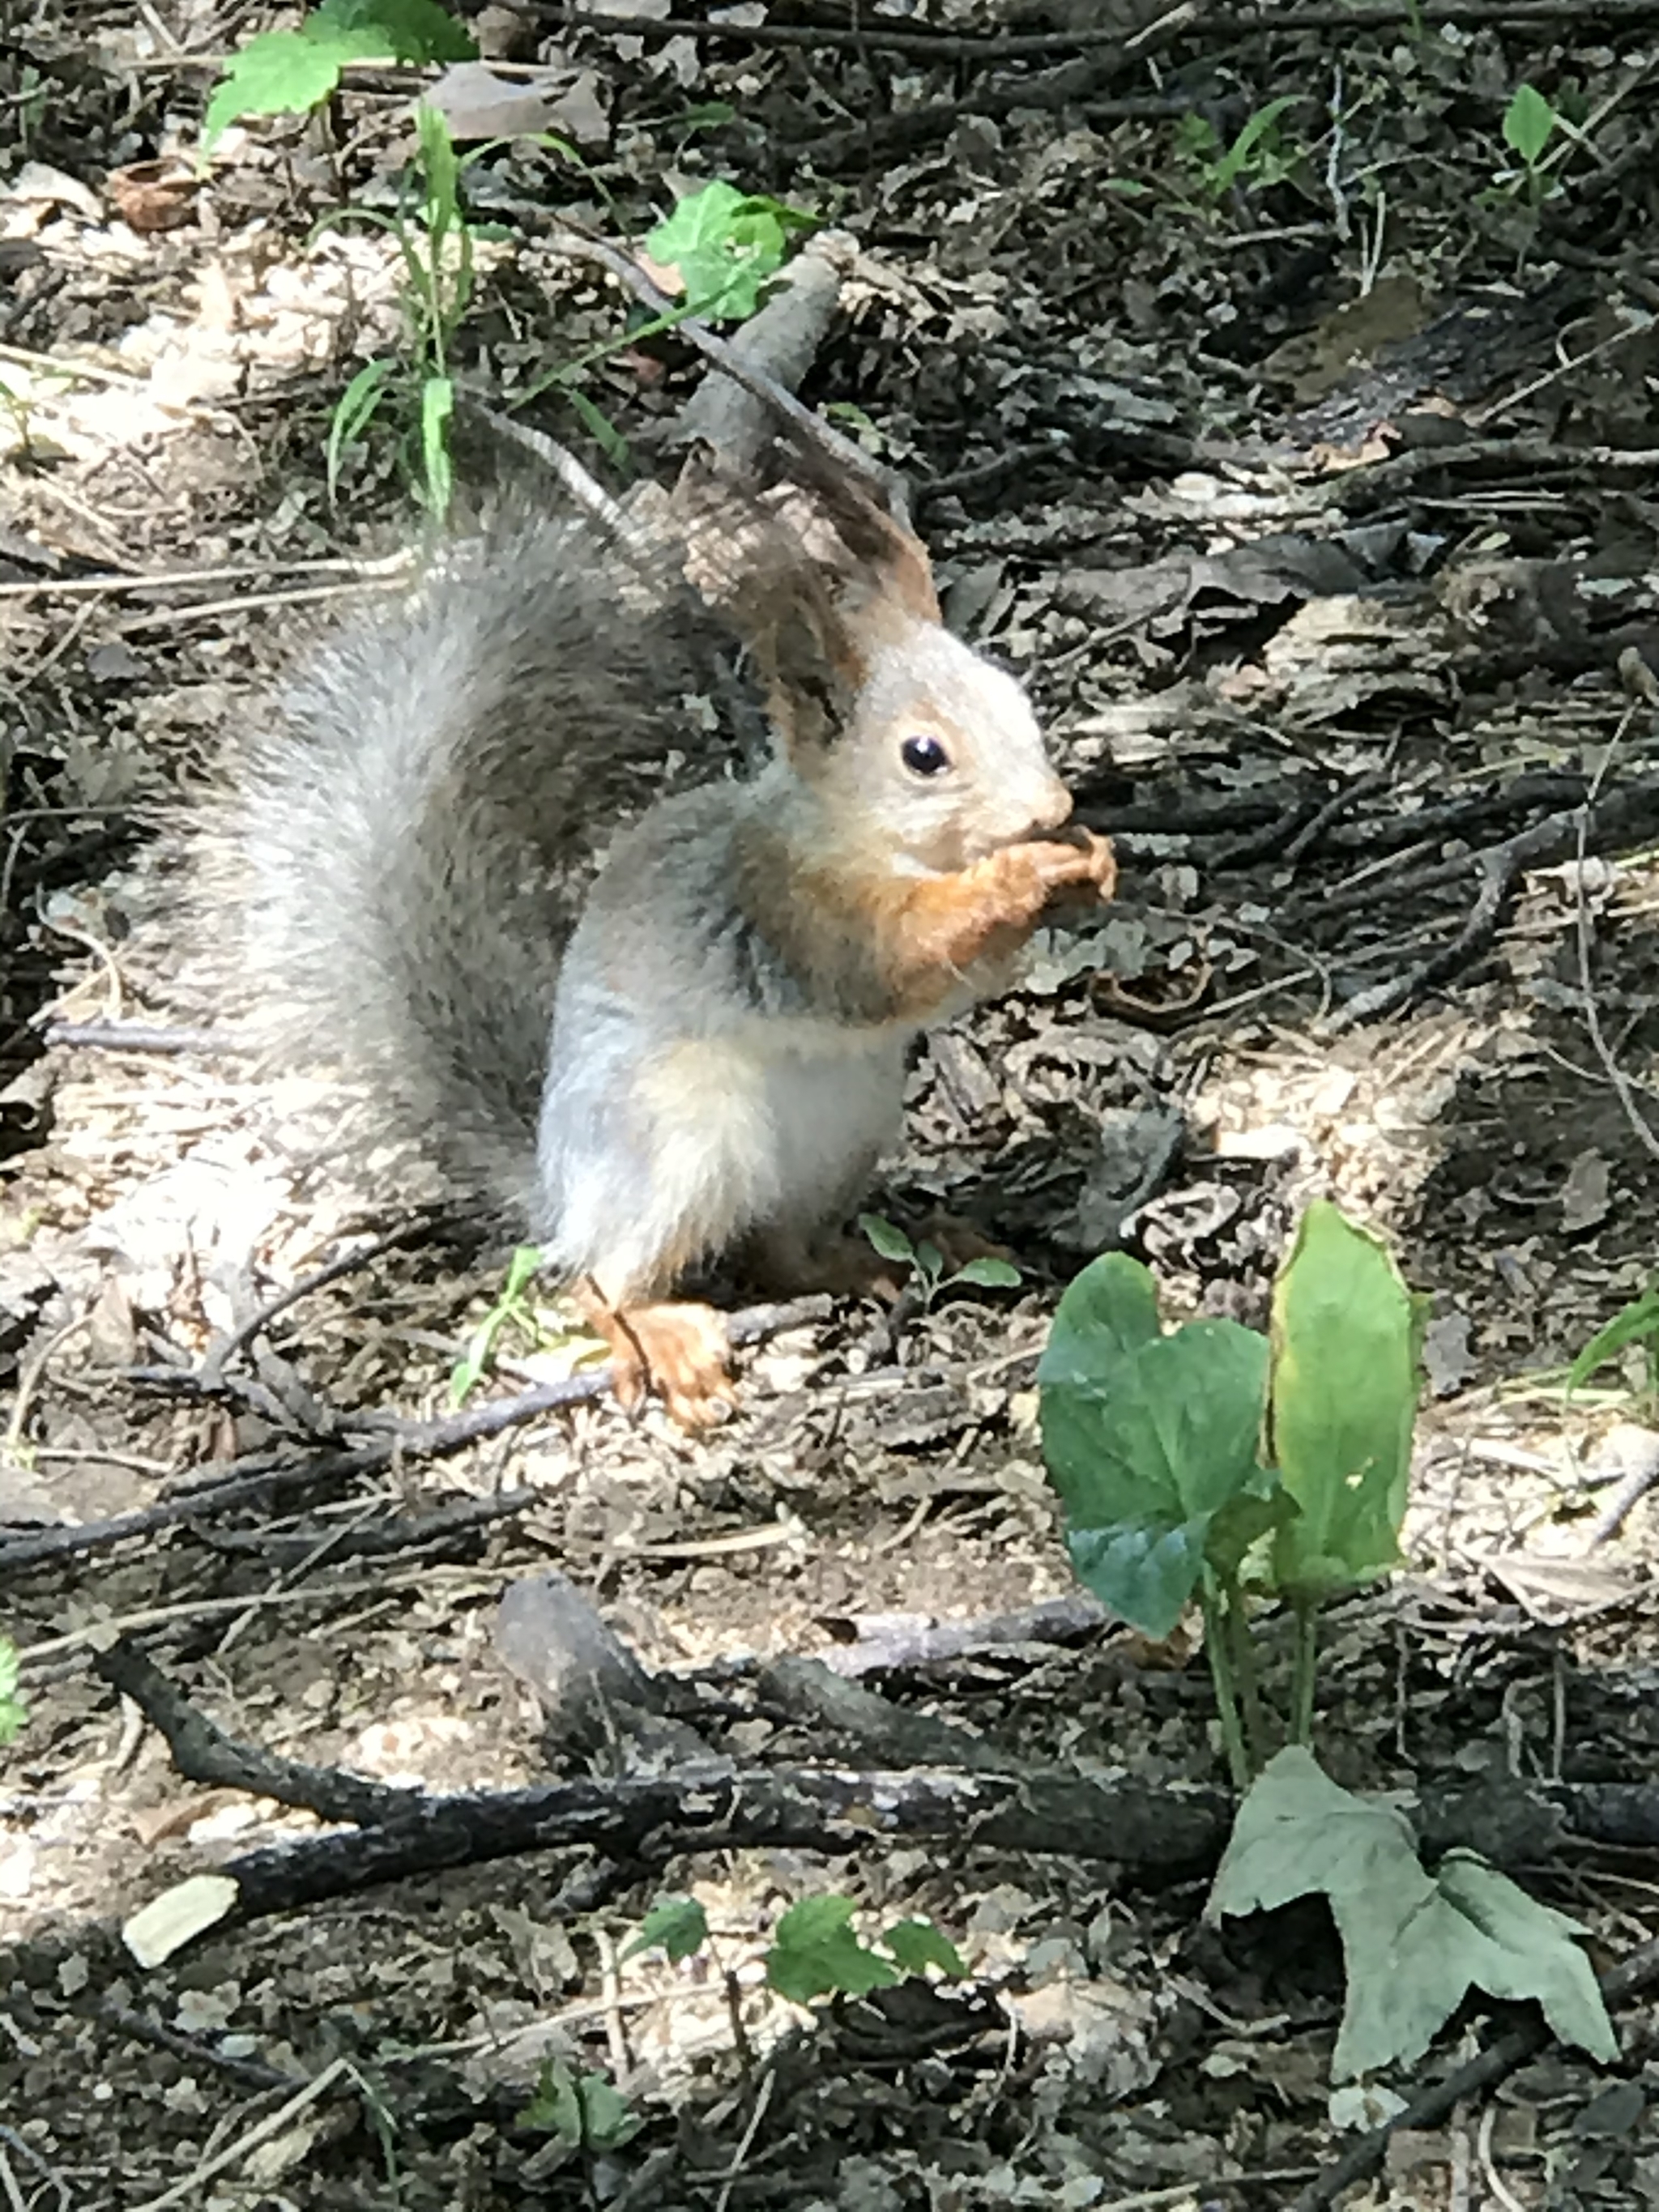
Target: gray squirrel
(706, 1051)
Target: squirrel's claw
(680, 1351)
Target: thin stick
(945, 46)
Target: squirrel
(706, 1051)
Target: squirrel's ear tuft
(909, 574)
(811, 671)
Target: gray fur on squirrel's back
(407, 839)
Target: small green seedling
(510, 1310)
(12, 1711)
(814, 1953)
(1210, 1462)
(1259, 157)
(1635, 1327)
(678, 1925)
(726, 245)
(1530, 121)
(583, 2111)
(291, 72)
(436, 242)
(926, 1262)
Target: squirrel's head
(911, 740)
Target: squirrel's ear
(811, 671)
(907, 573)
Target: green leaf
(278, 73)
(815, 1954)
(1528, 121)
(437, 405)
(556, 2109)
(1413, 1945)
(1635, 1323)
(354, 410)
(917, 1944)
(1232, 164)
(1147, 1437)
(993, 1274)
(930, 1263)
(583, 2110)
(1343, 1402)
(599, 427)
(889, 1239)
(414, 31)
(725, 244)
(12, 1711)
(441, 172)
(1108, 1311)
(678, 1925)
(289, 72)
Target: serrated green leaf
(414, 31)
(991, 1273)
(815, 1953)
(1528, 121)
(917, 1944)
(678, 1925)
(725, 244)
(1413, 1945)
(1342, 1404)
(889, 1240)
(289, 72)
(278, 73)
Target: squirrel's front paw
(678, 1351)
(1031, 874)
(1080, 862)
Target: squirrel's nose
(1054, 805)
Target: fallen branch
(394, 1440)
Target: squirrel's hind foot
(680, 1351)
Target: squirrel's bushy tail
(398, 855)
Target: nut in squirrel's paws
(680, 1351)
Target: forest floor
(1296, 440)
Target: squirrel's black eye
(924, 755)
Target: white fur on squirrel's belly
(778, 1124)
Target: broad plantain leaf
(1109, 1310)
(1148, 1439)
(1347, 1334)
